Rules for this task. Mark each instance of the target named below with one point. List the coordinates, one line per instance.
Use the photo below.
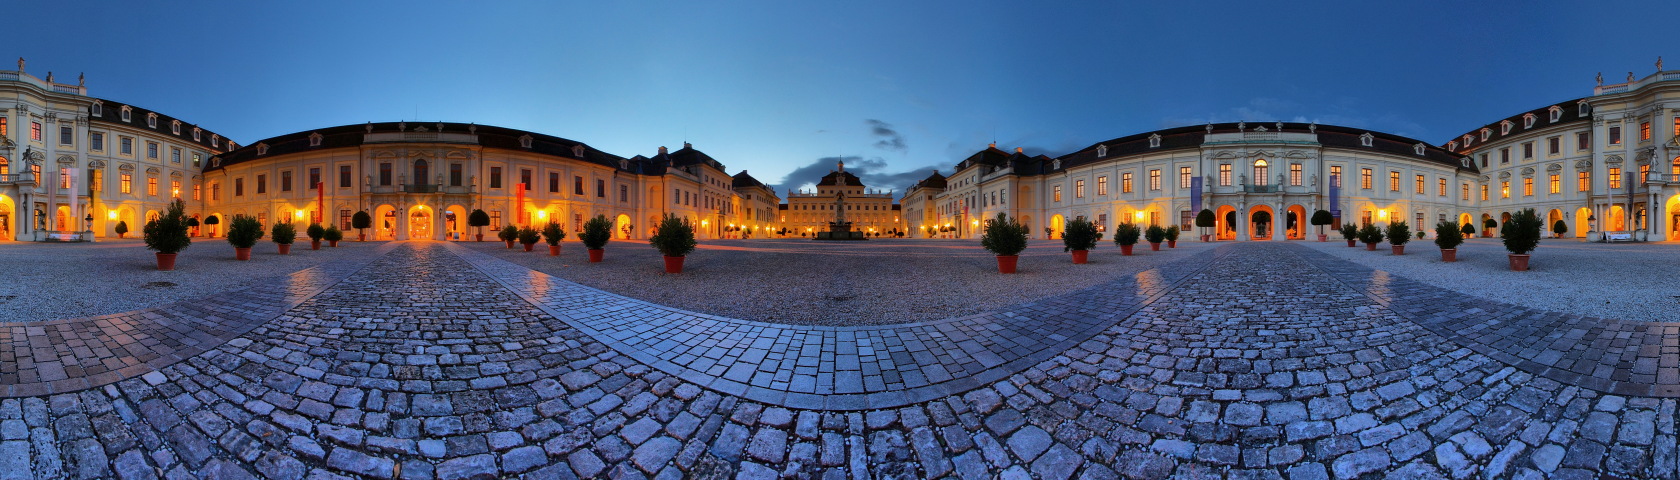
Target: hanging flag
(1196, 194)
(519, 203)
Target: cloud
(873, 171)
(886, 137)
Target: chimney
(661, 150)
(1017, 149)
(686, 145)
(991, 145)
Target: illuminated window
(1335, 175)
(1295, 174)
(126, 185)
(1528, 187)
(1484, 193)
(1184, 176)
(1442, 187)
(1583, 140)
(6, 128)
(1465, 191)
(1056, 195)
(151, 186)
(1394, 181)
(1155, 179)
(1365, 178)
(175, 189)
(35, 131)
(1102, 185)
(1078, 189)
(36, 171)
(1505, 189)
(197, 159)
(1126, 182)
(1645, 130)
(1225, 175)
(1260, 172)
(1553, 184)
(1583, 181)
(64, 178)
(197, 188)
(1420, 184)
(5, 166)
(1615, 178)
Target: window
(152, 150)
(344, 219)
(1528, 187)
(1225, 175)
(1505, 189)
(1295, 174)
(553, 182)
(66, 135)
(1484, 160)
(1645, 130)
(196, 189)
(151, 120)
(343, 176)
(1056, 195)
(495, 177)
(676, 198)
(1528, 151)
(1420, 184)
(238, 187)
(1583, 181)
(6, 129)
(175, 188)
(454, 174)
(385, 174)
(1260, 170)
(1553, 184)
(1583, 140)
(35, 131)
(1336, 175)
(197, 159)
(151, 186)
(1553, 144)
(1184, 176)
(286, 181)
(1102, 186)
(600, 188)
(36, 171)
(1442, 187)
(1616, 135)
(127, 113)
(314, 177)
(1394, 181)
(624, 195)
(1079, 189)
(96, 141)
(495, 219)
(262, 184)
(1155, 179)
(1615, 178)
(577, 185)
(525, 177)
(1365, 178)
(1126, 182)
(126, 184)
(64, 178)
(1505, 155)
(1465, 191)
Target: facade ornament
(1242, 126)
(369, 127)
(402, 126)
(49, 77)
(20, 64)
(1261, 128)
(81, 79)
(82, 120)
(1659, 63)
(440, 126)
(1279, 126)
(472, 128)
(1314, 127)
(1210, 127)
(1600, 79)
(1630, 77)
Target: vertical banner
(1196, 194)
(320, 202)
(1335, 198)
(519, 204)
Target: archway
(455, 222)
(1260, 219)
(1463, 219)
(384, 223)
(1297, 222)
(211, 229)
(1552, 217)
(622, 227)
(1615, 221)
(63, 222)
(420, 223)
(1583, 221)
(1025, 220)
(1056, 226)
(1672, 207)
(8, 216)
(1224, 217)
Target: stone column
(1241, 225)
(399, 228)
(1280, 224)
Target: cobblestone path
(1260, 364)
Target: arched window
(1260, 172)
(420, 172)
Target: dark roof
(689, 156)
(742, 180)
(488, 136)
(1571, 113)
(1193, 136)
(932, 181)
(839, 178)
(111, 112)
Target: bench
(1615, 237)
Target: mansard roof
(488, 136)
(1193, 136)
(689, 156)
(110, 111)
(1571, 113)
(742, 180)
(838, 178)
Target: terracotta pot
(314, 244)
(285, 248)
(553, 250)
(1449, 254)
(529, 246)
(1371, 246)
(166, 261)
(332, 243)
(673, 264)
(1350, 243)
(122, 235)
(1205, 237)
(480, 237)
(595, 255)
(1323, 238)
(1079, 256)
(1519, 263)
(361, 237)
(1126, 249)
(241, 253)
(1155, 246)
(1398, 249)
(509, 243)
(1006, 263)
(1172, 243)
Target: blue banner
(1196, 194)
(1335, 198)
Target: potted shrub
(1350, 233)
(1204, 219)
(1155, 234)
(283, 234)
(212, 220)
(1448, 237)
(333, 235)
(1467, 230)
(243, 234)
(595, 234)
(1488, 226)
(1322, 218)
(1080, 236)
(478, 219)
(1006, 238)
(192, 225)
(168, 234)
(1172, 236)
(1048, 235)
(553, 234)
(1126, 235)
(361, 221)
(121, 229)
(529, 237)
(1398, 234)
(1559, 228)
(1370, 235)
(315, 233)
(1521, 235)
(675, 239)
(508, 234)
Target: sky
(898, 89)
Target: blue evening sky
(899, 88)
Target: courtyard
(470, 360)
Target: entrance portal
(420, 224)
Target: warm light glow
(542, 214)
(703, 223)
(1382, 213)
(111, 214)
(1137, 215)
(298, 214)
(176, 192)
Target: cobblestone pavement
(1260, 365)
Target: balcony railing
(17, 178)
(1260, 188)
(420, 188)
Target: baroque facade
(871, 212)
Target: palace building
(77, 167)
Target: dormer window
(1056, 164)
(1464, 161)
(577, 151)
(262, 149)
(1556, 113)
(1453, 145)
(1467, 140)
(1419, 148)
(1102, 151)
(1505, 127)
(1486, 133)
(232, 146)
(215, 140)
(175, 127)
(315, 139)
(525, 141)
(97, 109)
(1365, 140)
(196, 132)
(1583, 108)
(1154, 140)
(127, 114)
(151, 120)
(1528, 120)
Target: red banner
(320, 202)
(519, 204)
